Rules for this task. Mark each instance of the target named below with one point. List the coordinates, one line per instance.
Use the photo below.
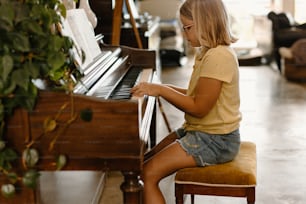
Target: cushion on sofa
(298, 50)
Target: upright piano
(118, 127)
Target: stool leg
(179, 199)
(192, 198)
(179, 195)
(251, 195)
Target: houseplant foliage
(31, 47)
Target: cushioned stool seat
(236, 178)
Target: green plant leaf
(56, 60)
(56, 75)
(22, 98)
(30, 47)
(7, 13)
(2, 144)
(61, 161)
(62, 10)
(13, 177)
(7, 155)
(9, 88)
(22, 12)
(29, 179)
(21, 78)
(43, 14)
(49, 124)
(7, 64)
(1, 118)
(8, 190)
(43, 68)
(40, 42)
(1, 83)
(26, 98)
(33, 27)
(30, 157)
(32, 69)
(56, 43)
(19, 41)
(4, 25)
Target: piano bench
(235, 179)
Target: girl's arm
(206, 94)
(179, 89)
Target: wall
(165, 9)
(169, 8)
(288, 6)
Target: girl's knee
(150, 175)
(146, 174)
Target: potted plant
(31, 47)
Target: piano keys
(119, 132)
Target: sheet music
(76, 51)
(77, 26)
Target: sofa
(293, 61)
(285, 31)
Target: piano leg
(132, 188)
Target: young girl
(210, 134)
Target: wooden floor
(274, 117)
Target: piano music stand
(117, 23)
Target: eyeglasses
(186, 28)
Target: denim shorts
(209, 149)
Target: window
(251, 7)
(300, 14)
(242, 15)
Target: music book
(77, 26)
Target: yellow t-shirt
(219, 63)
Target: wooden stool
(236, 178)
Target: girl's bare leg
(161, 145)
(162, 164)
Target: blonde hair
(211, 21)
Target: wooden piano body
(115, 138)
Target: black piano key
(122, 91)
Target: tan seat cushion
(241, 172)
